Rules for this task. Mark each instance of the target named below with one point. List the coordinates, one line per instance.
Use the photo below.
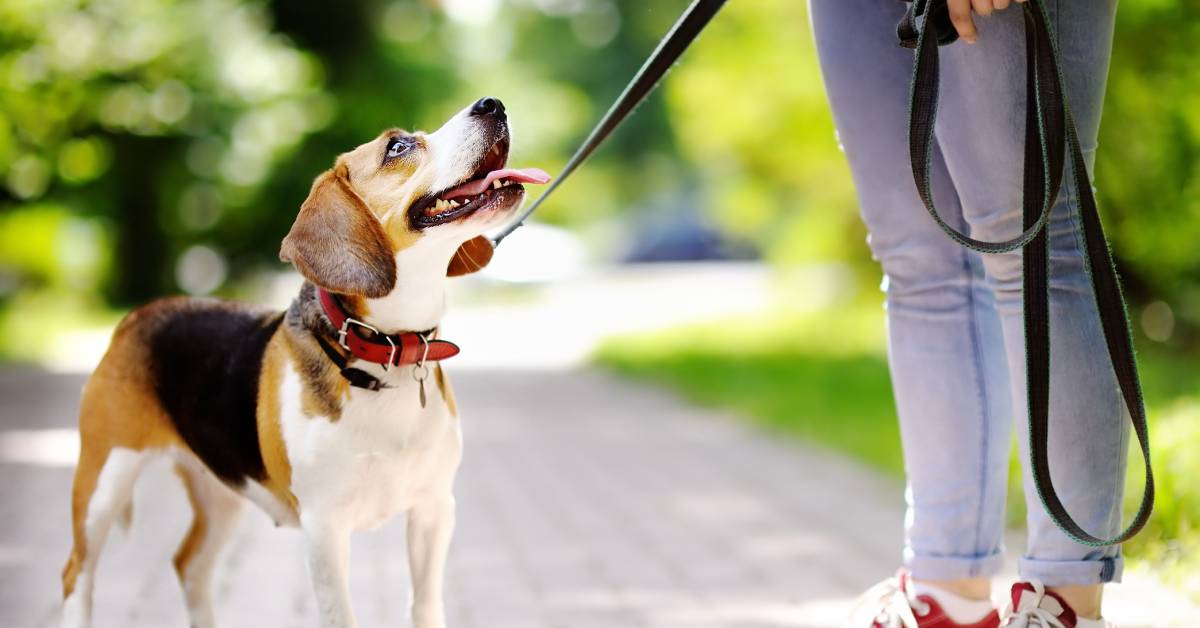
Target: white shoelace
(888, 605)
(1035, 609)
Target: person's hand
(960, 14)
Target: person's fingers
(960, 16)
(1001, 4)
(982, 7)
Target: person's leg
(944, 340)
(980, 131)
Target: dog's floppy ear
(337, 243)
(471, 257)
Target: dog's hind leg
(215, 514)
(103, 487)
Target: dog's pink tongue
(519, 175)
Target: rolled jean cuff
(933, 567)
(1057, 573)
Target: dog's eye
(396, 147)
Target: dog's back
(180, 373)
(205, 359)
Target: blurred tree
(151, 132)
(128, 110)
(168, 120)
(749, 109)
(1148, 164)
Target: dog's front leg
(430, 526)
(327, 544)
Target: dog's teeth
(496, 184)
(443, 205)
(453, 204)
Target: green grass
(790, 375)
(822, 376)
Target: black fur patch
(206, 361)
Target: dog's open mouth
(490, 185)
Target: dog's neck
(418, 300)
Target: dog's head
(403, 191)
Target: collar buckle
(345, 331)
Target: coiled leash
(681, 35)
(1049, 133)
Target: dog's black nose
(487, 106)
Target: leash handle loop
(1049, 134)
(923, 105)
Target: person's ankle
(1084, 599)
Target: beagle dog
(332, 416)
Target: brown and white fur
(250, 408)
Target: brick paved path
(583, 502)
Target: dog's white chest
(381, 455)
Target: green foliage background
(1148, 165)
(136, 132)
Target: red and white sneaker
(892, 604)
(1033, 606)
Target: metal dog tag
(421, 373)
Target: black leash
(1049, 133)
(681, 35)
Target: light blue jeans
(955, 331)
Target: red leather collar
(385, 349)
